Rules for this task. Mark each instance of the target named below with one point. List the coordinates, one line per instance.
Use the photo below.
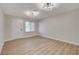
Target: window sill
(30, 32)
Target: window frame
(30, 27)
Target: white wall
(1, 30)
(64, 27)
(15, 28)
(7, 28)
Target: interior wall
(37, 26)
(64, 27)
(7, 28)
(15, 28)
(2, 36)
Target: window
(29, 26)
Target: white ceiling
(18, 9)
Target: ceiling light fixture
(32, 13)
(46, 6)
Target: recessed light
(32, 13)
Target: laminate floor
(38, 45)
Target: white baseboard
(46, 36)
(1, 47)
(14, 38)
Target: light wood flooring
(39, 46)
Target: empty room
(39, 28)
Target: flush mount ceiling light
(32, 13)
(46, 6)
